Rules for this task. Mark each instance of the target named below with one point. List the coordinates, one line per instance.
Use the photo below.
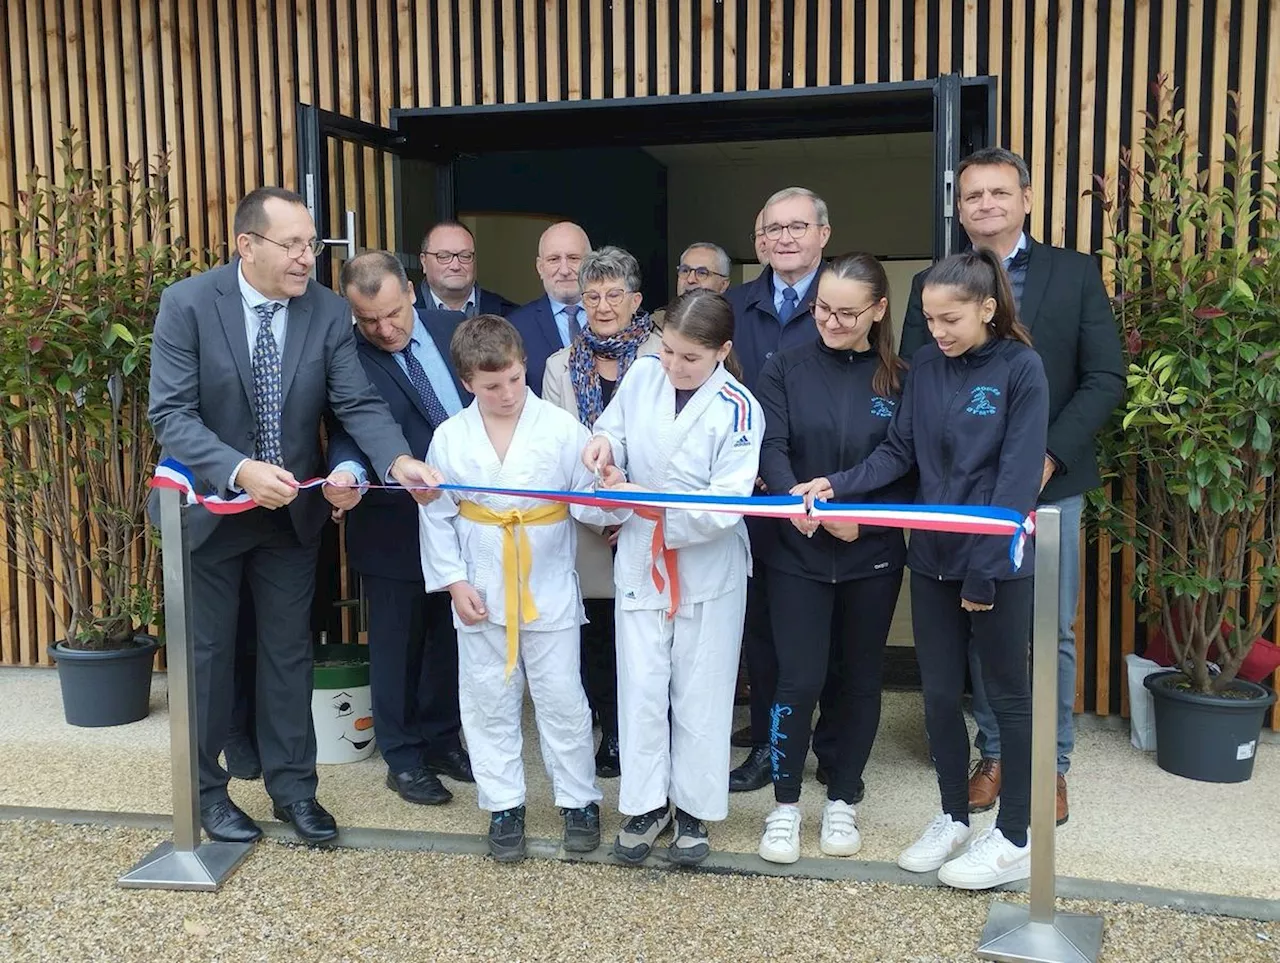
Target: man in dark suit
(413, 648)
(771, 313)
(448, 259)
(551, 322)
(1063, 304)
(245, 360)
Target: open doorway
(653, 174)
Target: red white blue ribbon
(957, 519)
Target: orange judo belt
(658, 549)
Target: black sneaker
(506, 835)
(581, 829)
(691, 846)
(639, 833)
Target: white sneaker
(840, 836)
(781, 840)
(990, 861)
(940, 839)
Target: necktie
(571, 316)
(266, 387)
(789, 301)
(436, 413)
(1018, 259)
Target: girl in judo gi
(507, 563)
(679, 423)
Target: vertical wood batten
(595, 51)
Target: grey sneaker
(690, 847)
(639, 833)
(506, 835)
(581, 829)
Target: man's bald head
(560, 252)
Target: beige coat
(595, 558)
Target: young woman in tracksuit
(832, 588)
(973, 420)
(679, 423)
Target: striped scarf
(587, 346)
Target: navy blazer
(537, 326)
(1066, 309)
(382, 531)
(757, 333)
(491, 302)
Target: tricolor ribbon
(956, 519)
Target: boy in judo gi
(507, 563)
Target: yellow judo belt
(517, 560)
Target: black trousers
(243, 727)
(600, 664)
(762, 667)
(1002, 637)
(259, 547)
(413, 672)
(812, 621)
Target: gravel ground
(59, 902)
(1129, 820)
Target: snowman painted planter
(342, 705)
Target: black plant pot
(109, 687)
(1213, 738)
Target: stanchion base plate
(1012, 937)
(168, 868)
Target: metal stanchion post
(185, 862)
(1040, 934)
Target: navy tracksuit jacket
(976, 428)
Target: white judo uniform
(545, 453)
(690, 662)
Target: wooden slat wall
(214, 84)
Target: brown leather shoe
(1063, 811)
(984, 785)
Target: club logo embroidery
(980, 401)
(882, 407)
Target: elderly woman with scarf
(582, 379)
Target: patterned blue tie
(571, 319)
(436, 413)
(266, 387)
(789, 301)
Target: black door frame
(959, 111)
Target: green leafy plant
(82, 264)
(1197, 281)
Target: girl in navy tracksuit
(832, 589)
(973, 420)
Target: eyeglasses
(444, 257)
(701, 273)
(294, 249)
(797, 229)
(613, 298)
(844, 317)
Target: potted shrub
(1197, 280)
(82, 264)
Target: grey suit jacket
(202, 390)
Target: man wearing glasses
(770, 313)
(448, 260)
(245, 360)
(702, 265)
